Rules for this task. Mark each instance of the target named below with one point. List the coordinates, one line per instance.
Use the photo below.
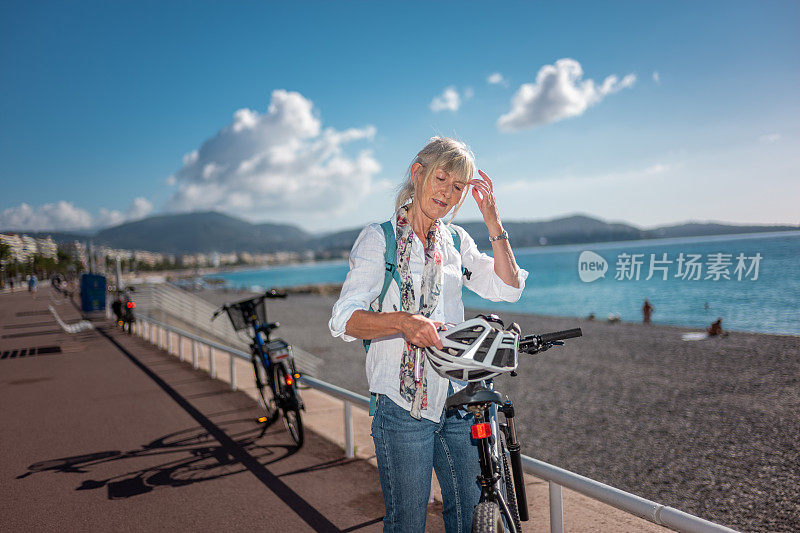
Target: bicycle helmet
(475, 350)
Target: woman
(413, 433)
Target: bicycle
(503, 503)
(273, 363)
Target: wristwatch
(503, 235)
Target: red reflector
(481, 431)
(289, 380)
(130, 305)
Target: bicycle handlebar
(274, 293)
(535, 343)
(271, 293)
(561, 335)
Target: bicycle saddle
(474, 393)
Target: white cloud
(496, 79)
(656, 77)
(59, 216)
(468, 93)
(139, 208)
(109, 217)
(276, 162)
(568, 183)
(64, 216)
(657, 168)
(559, 93)
(449, 100)
(770, 138)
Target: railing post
(160, 338)
(232, 370)
(348, 430)
(556, 509)
(169, 342)
(194, 354)
(212, 367)
(180, 347)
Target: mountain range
(205, 232)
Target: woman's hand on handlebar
(421, 331)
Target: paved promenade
(102, 431)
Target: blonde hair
(444, 153)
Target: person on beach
(715, 328)
(647, 310)
(413, 433)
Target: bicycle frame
(259, 349)
(280, 374)
(485, 430)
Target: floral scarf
(411, 389)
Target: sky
(309, 113)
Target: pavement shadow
(240, 455)
(190, 456)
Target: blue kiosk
(93, 293)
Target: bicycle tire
(268, 401)
(290, 405)
(487, 518)
(511, 496)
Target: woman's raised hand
(483, 192)
(421, 331)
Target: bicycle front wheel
(486, 518)
(290, 404)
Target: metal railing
(177, 307)
(155, 331)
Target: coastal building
(228, 259)
(75, 249)
(148, 258)
(29, 247)
(47, 248)
(14, 243)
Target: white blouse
(363, 286)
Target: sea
(751, 281)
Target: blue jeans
(408, 450)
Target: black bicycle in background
(502, 488)
(273, 363)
